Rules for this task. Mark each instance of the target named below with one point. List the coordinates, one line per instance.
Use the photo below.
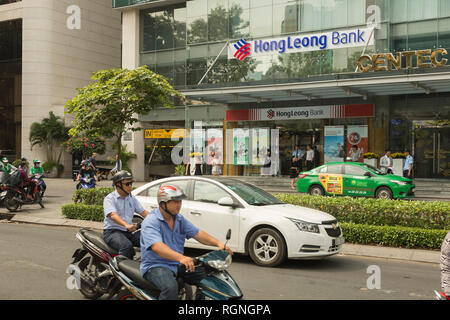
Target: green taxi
(354, 179)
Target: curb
(402, 254)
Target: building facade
(50, 48)
(328, 73)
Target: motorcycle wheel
(186, 293)
(39, 199)
(124, 294)
(85, 289)
(10, 203)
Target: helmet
(23, 159)
(121, 175)
(169, 192)
(5, 159)
(84, 163)
(36, 161)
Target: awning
(339, 86)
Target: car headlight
(220, 264)
(400, 183)
(305, 226)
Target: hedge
(378, 212)
(393, 236)
(82, 211)
(94, 196)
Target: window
(354, 170)
(323, 169)
(150, 192)
(208, 192)
(335, 169)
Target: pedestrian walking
(309, 157)
(408, 167)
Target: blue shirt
(297, 153)
(124, 207)
(408, 161)
(155, 229)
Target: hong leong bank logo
(270, 114)
(243, 49)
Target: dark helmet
(23, 159)
(121, 175)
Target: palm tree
(49, 132)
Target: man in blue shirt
(407, 168)
(119, 207)
(163, 234)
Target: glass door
(432, 149)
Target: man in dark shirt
(85, 172)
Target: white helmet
(170, 192)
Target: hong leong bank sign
(359, 37)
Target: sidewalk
(60, 192)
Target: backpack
(14, 178)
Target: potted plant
(371, 158)
(399, 162)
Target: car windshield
(252, 195)
(371, 168)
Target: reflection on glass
(261, 22)
(197, 31)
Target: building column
(130, 60)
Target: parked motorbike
(38, 179)
(86, 183)
(91, 265)
(217, 285)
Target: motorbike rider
(37, 169)
(25, 182)
(85, 172)
(163, 234)
(6, 166)
(119, 207)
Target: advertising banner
(260, 145)
(334, 144)
(214, 138)
(240, 146)
(357, 136)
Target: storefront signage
(301, 43)
(387, 61)
(302, 113)
(163, 133)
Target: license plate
(338, 241)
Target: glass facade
(182, 41)
(10, 86)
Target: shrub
(93, 196)
(82, 211)
(371, 155)
(378, 212)
(393, 236)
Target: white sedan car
(262, 226)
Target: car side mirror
(226, 202)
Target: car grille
(310, 248)
(333, 232)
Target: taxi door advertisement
(332, 183)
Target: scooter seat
(97, 239)
(131, 269)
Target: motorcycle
(3, 189)
(217, 285)
(16, 196)
(86, 183)
(93, 271)
(38, 179)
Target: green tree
(50, 132)
(110, 105)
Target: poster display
(241, 146)
(334, 144)
(214, 138)
(260, 145)
(357, 136)
(332, 183)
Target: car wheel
(316, 190)
(267, 248)
(383, 193)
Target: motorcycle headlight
(305, 226)
(220, 264)
(400, 183)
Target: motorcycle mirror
(228, 237)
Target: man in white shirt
(386, 163)
(309, 157)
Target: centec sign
(301, 43)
